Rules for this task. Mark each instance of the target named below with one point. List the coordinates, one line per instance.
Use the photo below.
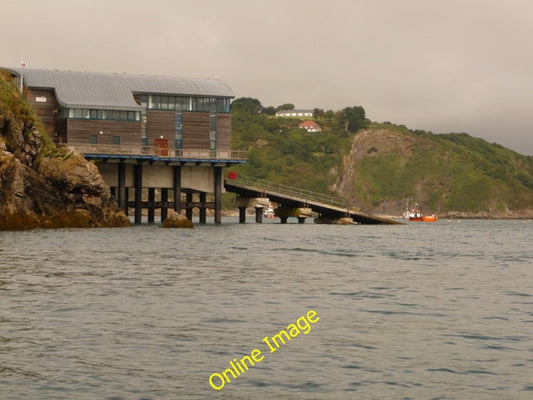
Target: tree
(269, 110)
(286, 106)
(353, 118)
(246, 105)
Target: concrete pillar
(121, 173)
(138, 192)
(164, 204)
(218, 195)
(242, 215)
(203, 209)
(301, 220)
(259, 214)
(151, 208)
(188, 210)
(283, 220)
(177, 188)
(126, 200)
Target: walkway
(288, 196)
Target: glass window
(93, 139)
(212, 123)
(223, 105)
(144, 101)
(93, 114)
(116, 140)
(179, 104)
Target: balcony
(156, 152)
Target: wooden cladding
(161, 125)
(45, 105)
(195, 130)
(224, 132)
(80, 132)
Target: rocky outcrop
(176, 220)
(45, 187)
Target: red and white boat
(416, 215)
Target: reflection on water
(418, 311)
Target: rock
(176, 220)
(42, 186)
(333, 221)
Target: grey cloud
(439, 65)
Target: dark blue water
(422, 311)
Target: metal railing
(286, 190)
(156, 151)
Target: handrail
(266, 186)
(161, 152)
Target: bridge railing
(307, 195)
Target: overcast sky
(438, 65)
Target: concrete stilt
(218, 195)
(151, 208)
(164, 204)
(242, 215)
(177, 188)
(259, 215)
(121, 174)
(126, 199)
(138, 193)
(301, 220)
(203, 209)
(283, 220)
(188, 210)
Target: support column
(126, 201)
(164, 204)
(121, 173)
(151, 209)
(218, 195)
(301, 220)
(203, 209)
(138, 192)
(242, 215)
(188, 210)
(177, 188)
(259, 215)
(283, 220)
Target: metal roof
(115, 91)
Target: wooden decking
(288, 196)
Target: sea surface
(419, 311)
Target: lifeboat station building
(159, 142)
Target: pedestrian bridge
(250, 191)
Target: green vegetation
(281, 152)
(17, 114)
(444, 172)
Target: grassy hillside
(383, 166)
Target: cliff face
(452, 175)
(41, 186)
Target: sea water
(419, 311)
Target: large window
(185, 103)
(99, 114)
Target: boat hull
(424, 218)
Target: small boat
(416, 215)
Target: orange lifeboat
(416, 215)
